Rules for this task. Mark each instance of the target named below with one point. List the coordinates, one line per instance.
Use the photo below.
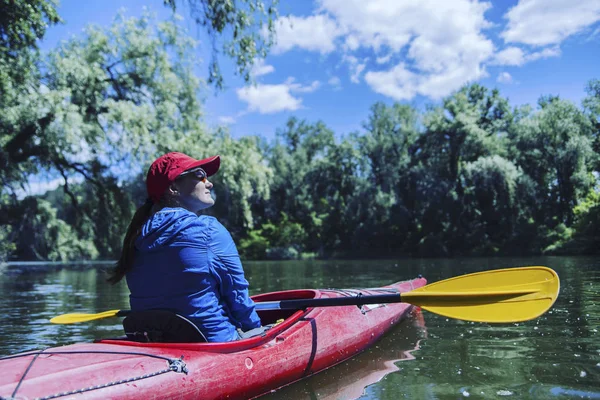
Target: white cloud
(36, 187)
(269, 99)
(441, 42)
(400, 83)
(516, 56)
(384, 59)
(260, 68)
(510, 56)
(303, 89)
(544, 22)
(546, 53)
(358, 69)
(334, 81)
(397, 83)
(226, 120)
(315, 33)
(430, 47)
(352, 42)
(355, 66)
(504, 77)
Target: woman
(174, 259)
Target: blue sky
(335, 58)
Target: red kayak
(306, 342)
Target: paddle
(497, 296)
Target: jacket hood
(163, 227)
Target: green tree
(492, 203)
(554, 147)
(470, 124)
(104, 106)
(296, 159)
(23, 22)
(243, 30)
(591, 106)
(40, 235)
(337, 186)
(389, 137)
(587, 224)
(244, 180)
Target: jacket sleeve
(234, 286)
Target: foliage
(584, 235)
(243, 179)
(23, 22)
(492, 203)
(591, 106)
(468, 176)
(553, 147)
(40, 235)
(274, 241)
(248, 25)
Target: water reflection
(556, 356)
(348, 380)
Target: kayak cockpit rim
(290, 317)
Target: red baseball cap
(166, 168)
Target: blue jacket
(189, 264)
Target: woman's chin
(206, 204)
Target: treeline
(471, 175)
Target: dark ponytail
(128, 252)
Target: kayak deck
(306, 342)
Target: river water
(556, 356)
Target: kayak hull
(306, 342)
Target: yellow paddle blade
(76, 317)
(497, 296)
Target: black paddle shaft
(359, 300)
(299, 304)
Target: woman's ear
(173, 189)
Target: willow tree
(495, 190)
(243, 30)
(591, 105)
(554, 147)
(468, 125)
(98, 110)
(297, 193)
(386, 144)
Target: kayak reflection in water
(174, 259)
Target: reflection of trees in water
(349, 379)
(558, 351)
(555, 353)
(32, 295)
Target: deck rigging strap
(174, 365)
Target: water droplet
(583, 374)
(465, 393)
(504, 393)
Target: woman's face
(194, 190)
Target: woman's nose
(208, 184)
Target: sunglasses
(199, 173)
